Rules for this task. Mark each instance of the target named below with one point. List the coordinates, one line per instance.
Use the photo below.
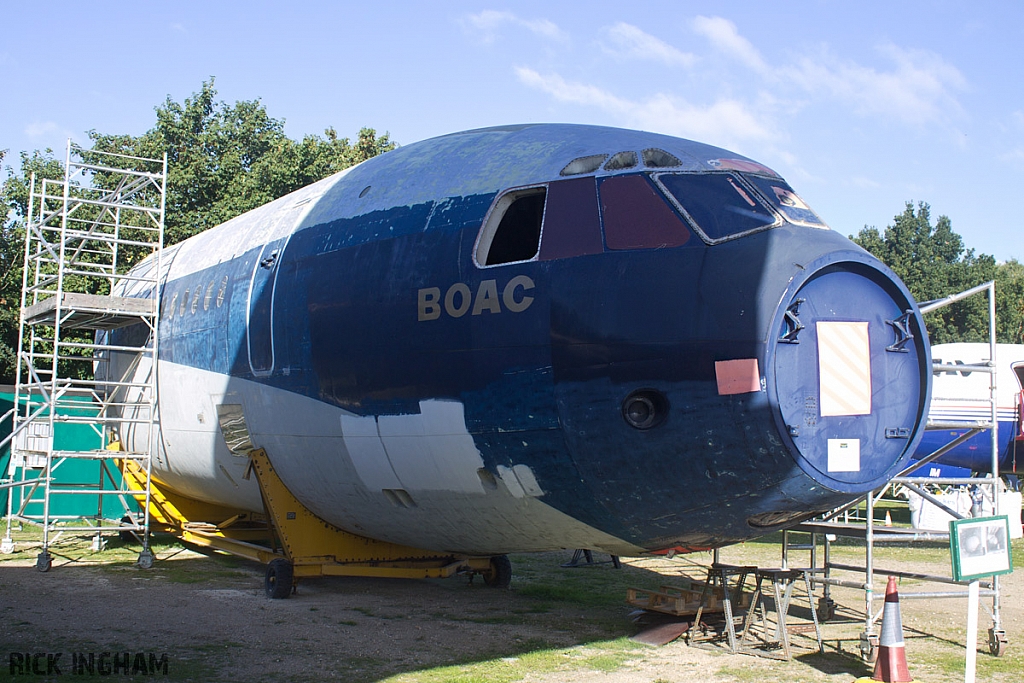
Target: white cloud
(726, 122)
(865, 183)
(487, 23)
(1013, 156)
(629, 41)
(576, 93)
(917, 89)
(45, 134)
(38, 129)
(723, 35)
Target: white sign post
(972, 632)
(978, 547)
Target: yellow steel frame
(289, 530)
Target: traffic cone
(888, 518)
(891, 665)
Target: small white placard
(844, 455)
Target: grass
(203, 664)
(537, 660)
(551, 622)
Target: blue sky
(861, 106)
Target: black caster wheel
(500, 573)
(997, 642)
(278, 579)
(145, 560)
(868, 647)
(43, 562)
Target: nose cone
(849, 372)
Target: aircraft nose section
(851, 372)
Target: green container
(69, 473)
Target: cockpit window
(718, 204)
(637, 217)
(572, 220)
(621, 161)
(587, 164)
(511, 232)
(659, 158)
(789, 204)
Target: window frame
(659, 193)
(492, 220)
(820, 225)
(770, 210)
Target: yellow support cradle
(292, 541)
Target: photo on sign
(980, 547)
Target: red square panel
(738, 376)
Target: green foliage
(223, 160)
(14, 198)
(1010, 302)
(934, 263)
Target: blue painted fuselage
(639, 376)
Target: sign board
(980, 547)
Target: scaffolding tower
(82, 235)
(830, 526)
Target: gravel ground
(208, 614)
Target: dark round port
(645, 408)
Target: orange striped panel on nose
(844, 368)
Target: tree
(933, 262)
(14, 198)
(223, 160)
(1010, 302)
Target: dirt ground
(209, 616)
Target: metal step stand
(782, 582)
(82, 235)
(725, 584)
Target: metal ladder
(82, 235)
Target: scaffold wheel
(868, 647)
(997, 642)
(43, 562)
(145, 560)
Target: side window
(637, 217)
(572, 223)
(220, 292)
(511, 232)
(208, 297)
(786, 201)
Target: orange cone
(888, 518)
(891, 665)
